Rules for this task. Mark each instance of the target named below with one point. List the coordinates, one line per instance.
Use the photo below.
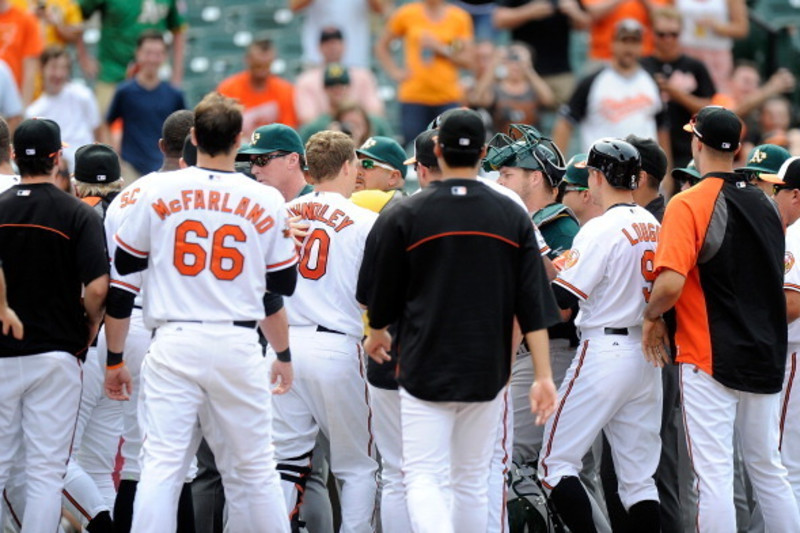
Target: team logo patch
(458, 191)
(24, 192)
(758, 156)
(788, 262)
(566, 260)
(369, 143)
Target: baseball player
(325, 328)
(206, 235)
(575, 191)
(764, 159)
(609, 386)
(382, 167)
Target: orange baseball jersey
(210, 238)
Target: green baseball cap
(689, 173)
(273, 138)
(577, 173)
(766, 158)
(335, 74)
(385, 150)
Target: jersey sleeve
(791, 280)
(384, 285)
(90, 246)
(133, 236)
(575, 109)
(34, 42)
(585, 265)
(677, 244)
(131, 283)
(544, 249)
(176, 17)
(281, 252)
(398, 22)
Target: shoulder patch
(788, 262)
(566, 260)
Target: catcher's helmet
(524, 147)
(618, 160)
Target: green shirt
(558, 226)
(122, 23)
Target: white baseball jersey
(209, 236)
(329, 262)
(7, 181)
(791, 280)
(610, 267)
(544, 249)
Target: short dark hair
(456, 158)
(36, 165)
(5, 141)
(262, 44)
(150, 35)
(217, 123)
(53, 52)
(174, 131)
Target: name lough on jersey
(318, 211)
(643, 231)
(215, 201)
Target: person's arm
(118, 382)
(30, 67)
(299, 5)
(688, 101)
(666, 290)
(379, 6)
(543, 91)
(94, 303)
(276, 330)
(178, 55)
(601, 10)
(792, 305)
(543, 395)
(736, 27)
(482, 94)
(68, 32)
(579, 18)
(509, 18)
(8, 317)
(463, 55)
(780, 82)
(384, 55)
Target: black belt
(615, 331)
(137, 306)
(249, 324)
(323, 329)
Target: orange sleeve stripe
(62, 234)
(123, 285)
(293, 259)
(130, 248)
(571, 288)
(791, 287)
(462, 234)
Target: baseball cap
(688, 173)
(423, 150)
(765, 158)
(654, 159)
(328, 34)
(463, 130)
(386, 150)
(189, 151)
(577, 172)
(274, 138)
(788, 176)
(37, 137)
(716, 127)
(336, 74)
(628, 27)
(96, 163)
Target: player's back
(613, 256)
(329, 262)
(208, 236)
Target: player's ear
(162, 146)
(394, 179)
(194, 136)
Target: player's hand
(655, 342)
(543, 397)
(378, 345)
(281, 375)
(11, 322)
(119, 385)
(298, 229)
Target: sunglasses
(263, 160)
(778, 188)
(575, 188)
(667, 34)
(369, 164)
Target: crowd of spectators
(510, 59)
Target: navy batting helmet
(618, 160)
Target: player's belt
(249, 324)
(323, 329)
(615, 331)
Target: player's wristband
(114, 360)
(285, 356)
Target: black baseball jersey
(453, 265)
(51, 244)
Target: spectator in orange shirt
(266, 98)
(20, 46)
(605, 14)
(437, 41)
(61, 20)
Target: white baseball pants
(608, 387)
(501, 456)
(711, 411)
(789, 443)
(447, 449)
(329, 394)
(215, 374)
(39, 402)
(388, 438)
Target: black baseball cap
(654, 159)
(336, 74)
(96, 163)
(462, 130)
(37, 137)
(716, 127)
(189, 154)
(788, 177)
(328, 34)
(423, 150)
